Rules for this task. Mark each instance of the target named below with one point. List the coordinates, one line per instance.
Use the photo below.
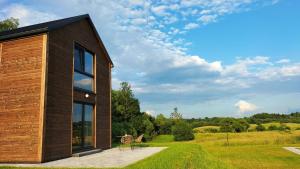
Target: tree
(8, 24)
(260, 127)
(182, 131)
(175, 115)
(272, 127)
(126, 115)
(227, 126)
(124, 105)
(164, 125)
(240, 125)
(143, 125)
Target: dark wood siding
(20, 99)
(58, 132)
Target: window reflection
(77, 139)
(83, 68)
(77, 59)
(88, 132)
(88, 62)
(82, 81)
(82, 136)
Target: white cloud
(136, 2)
(282, 61)
(150, 112)
(25, 15)
(275, 73)
(159, 10)
(234, 82)
(291, 70)
(245, 107)
(241, 67)
(182, 61)
(190, 26)
(206, 19)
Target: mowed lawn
(259, 150)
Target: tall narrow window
(83, 69)
(82, 126)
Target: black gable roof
(41, 27)
(49, 26)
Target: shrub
(284, 127)
(272, 127)
(260, 128)
(182, 131)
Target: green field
(259, 150)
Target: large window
(83, 69)
(82, 126)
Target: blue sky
(206, 57)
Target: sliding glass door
(82, 126)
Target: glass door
(82, 126)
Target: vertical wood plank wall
(20, 99)
(58, 132)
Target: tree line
(254, 119)
(128, 119)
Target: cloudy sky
(206, 57)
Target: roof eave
(22, 34)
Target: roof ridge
(46, 26)
(49, 26)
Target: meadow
(248, 150)
(253, 149)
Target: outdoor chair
(139, 139)
(127, 140)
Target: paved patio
(293, 149)
(109, 158)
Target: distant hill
(267, 118)
(255, 119)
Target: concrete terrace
(113, 158)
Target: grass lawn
(259, 150)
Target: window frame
(82, 66)
(82, 146)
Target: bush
(260, 128)
(182, 131)
(284, 127)
(272, 127)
